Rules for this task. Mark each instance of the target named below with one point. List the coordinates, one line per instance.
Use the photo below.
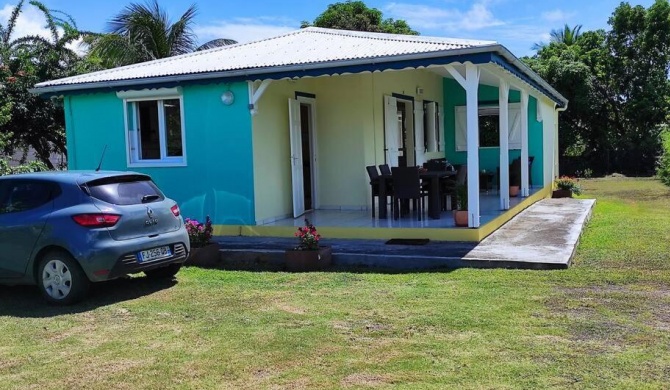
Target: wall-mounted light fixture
(228, 98)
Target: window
(125, 190)
(489, 127)
(155, 132)
(23, 195)
(489, 130)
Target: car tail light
(175, 210)
(96, 220)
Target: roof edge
(256, 73)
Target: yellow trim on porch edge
(371, 233)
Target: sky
(517, 24)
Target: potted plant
(308, 255)
(461, 213)
(565, 187)
(204, 253)
(514, 180)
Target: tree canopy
(355, 15)
(27, 120)
(617, 84)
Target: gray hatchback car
(64, 230)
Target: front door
(297, 179)
(303, 160)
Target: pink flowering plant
(308, 237)
(199, 234)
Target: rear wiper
(150, 198)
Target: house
(255, 134)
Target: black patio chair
(385, 169)
(407, 186)
(373, 174)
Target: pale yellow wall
(349, 131)
(272, 169)
(344, 120)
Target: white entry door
(392, 131)
(297, 180)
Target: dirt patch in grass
(611, 317)
(365, 380)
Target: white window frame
(133, 144)
(514, 127)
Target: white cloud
(31, 21)
(557, 15)
(477, 17)
(244, 29)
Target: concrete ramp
(545, 234)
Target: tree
(144, 32)
(355, 15)
(567, 36)
(617, 84)
(29, 120)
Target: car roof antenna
(101, 158)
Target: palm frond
(51, 23)
(11, 23)
(214, 43)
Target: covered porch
(359, 224)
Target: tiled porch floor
(489, 210)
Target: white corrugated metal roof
(306, 46)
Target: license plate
(154, 254)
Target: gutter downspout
(556, 164)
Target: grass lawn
(603, 323)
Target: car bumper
(113, 259)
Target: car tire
(61, 279)
(167, 272)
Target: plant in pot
(566, 187)
(204, 252)
(514, 180)
(308, 255)
(461, 213)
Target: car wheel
(61, 279)
(166, 272)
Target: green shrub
(663, 169)
(32, 166)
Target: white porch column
(525, 191)
(503, 108)
(472, 74)
(471, 85)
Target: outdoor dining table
(433, 177)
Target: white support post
(472, 74)
(471, 85)
(525, 190)
(503, 105)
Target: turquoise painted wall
(489, 158)
(218, 180)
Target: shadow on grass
(27, 301)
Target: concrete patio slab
(545, 233)
(543, 236)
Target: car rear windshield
(125, 190)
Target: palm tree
(567, 35)
(144, 32)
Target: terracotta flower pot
(561, 194)
(303, 261)
(205, 256)
(514, 191)
(461, 218)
